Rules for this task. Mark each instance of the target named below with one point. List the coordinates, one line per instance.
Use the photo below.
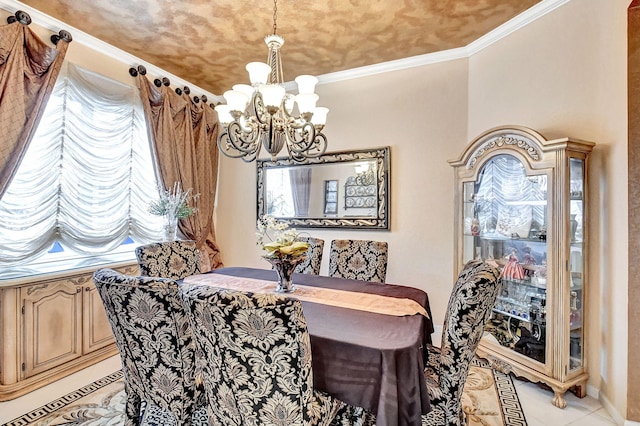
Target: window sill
(60, 268)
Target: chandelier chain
(275, 15)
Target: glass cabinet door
(576, 262)
(505, 219)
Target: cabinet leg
(558, 399)
(580, 390)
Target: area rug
(489, 399)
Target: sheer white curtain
(300, 189)
(503, 183)
(87, 177)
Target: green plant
(174, 203)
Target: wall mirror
(347, 189)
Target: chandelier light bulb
(224, 113)
(236, 100)
(272, 95)
(244, 88)
(306, 102)
(319, 116)
(289, 103)
(258, 72)
(306, 83)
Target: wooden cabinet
(97, 331)
(51, 318)
(52, 326)
(521, 202)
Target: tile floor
(536, 402)
(9, 410)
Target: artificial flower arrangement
(278, 240)
(174, 203)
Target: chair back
(469, 309)
(311, 265)
(359, 259)
(259, 356)
(169, 259)
(155, 342)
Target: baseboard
(615, 415)
(593, 392)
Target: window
(279, 194)
(87, 177)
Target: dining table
(365, 358)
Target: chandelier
(262, 114)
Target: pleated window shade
(87, 177)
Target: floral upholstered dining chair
(469, 309)
(359, 260)
(258, 365)
(311, 265)
(156, 348)
(169, 259)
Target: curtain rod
(25, 19)
(133, 72)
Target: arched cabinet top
(524, 143)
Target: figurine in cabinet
(475, 227)
(528, 261)
(513, 270)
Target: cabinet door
(52, 315)
(96, 331)
(506, 217)
(576, 264)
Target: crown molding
(520, 21)
(399, 64)
(513, 25)
(54, 25)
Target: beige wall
(565, 75)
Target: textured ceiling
(208, 42)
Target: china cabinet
(521, 202)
